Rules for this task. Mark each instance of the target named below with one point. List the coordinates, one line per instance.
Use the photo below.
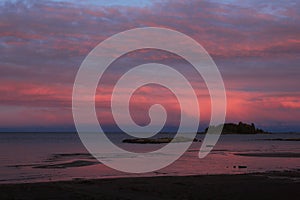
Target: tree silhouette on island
(240, 128)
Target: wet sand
(282, 139)
(271, 185)
(271, 155)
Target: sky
(255, 44)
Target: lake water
(34, 157)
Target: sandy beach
(271, 185)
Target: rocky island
(240, 128)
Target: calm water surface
(33, 157)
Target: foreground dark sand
(273, 185)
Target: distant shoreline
(226, 128)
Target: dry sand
(272, 185)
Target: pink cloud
(256, 49)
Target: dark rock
(158, 140)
